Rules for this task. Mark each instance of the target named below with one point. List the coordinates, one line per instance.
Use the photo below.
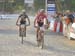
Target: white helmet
(41, 10)
(23, 11)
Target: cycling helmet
(23, 11)
(42, 10)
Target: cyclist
(40, 23)
(22, 19)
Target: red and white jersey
(41, 17)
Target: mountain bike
(40, 39)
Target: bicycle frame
(23, 31)
(40, 38)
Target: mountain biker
(22, 19)
(40, 23)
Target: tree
(70, 4)
(19, 5)
(39, 4)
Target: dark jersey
(23, 19)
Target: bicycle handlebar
(21, 24)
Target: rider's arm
(34, 22)
(46, 22)
(45, 19)
(29, 20)
(18, 20)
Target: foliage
(18, 5)
(70, 4)
(39, 4)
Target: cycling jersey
(40, 19)
(23, 19)
(40, 24)
(22, 22)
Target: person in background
(68, 20)
(69, 14)
(67, 27)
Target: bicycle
(22, 21)
(22, 31)
(40, 39)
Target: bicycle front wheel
(22, 40)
